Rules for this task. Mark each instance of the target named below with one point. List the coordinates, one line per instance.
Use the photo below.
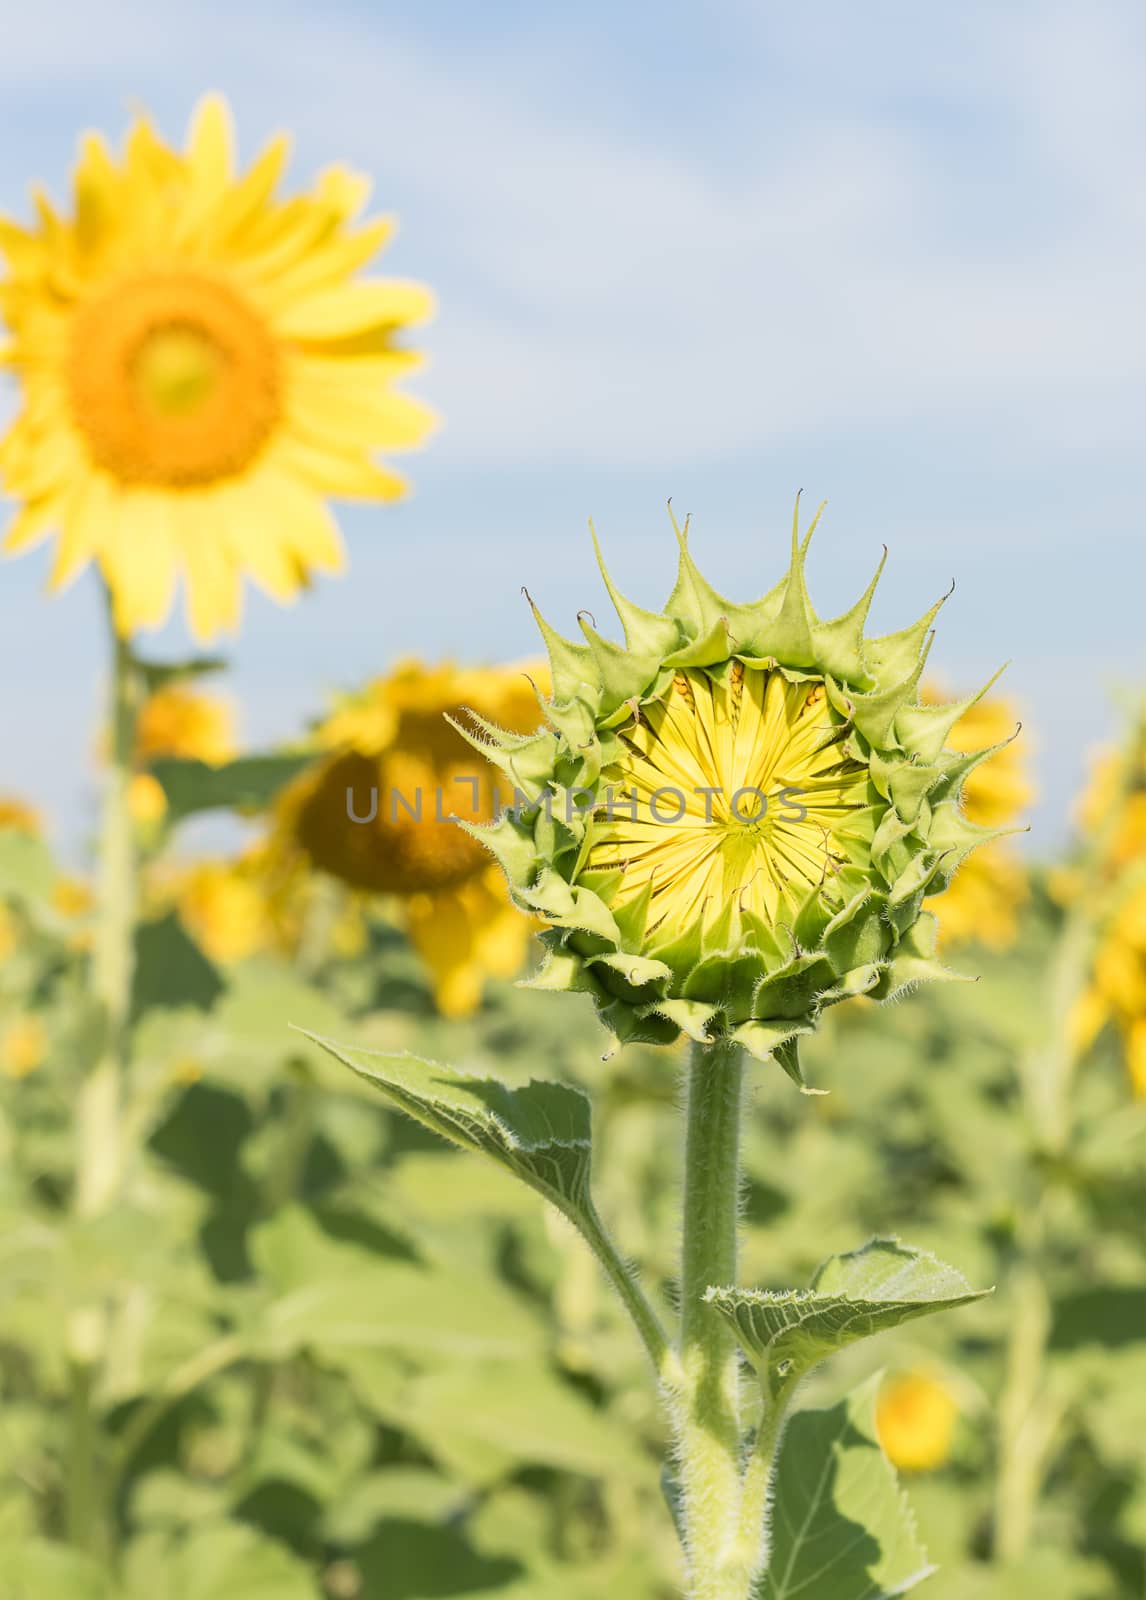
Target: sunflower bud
(732, 820)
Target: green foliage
(882, 1285)
(841, 1528)
(540, 1132)
(249, 783)
(330, 1357)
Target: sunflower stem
(708, 1412)
(98, 1116)
(1027, 1419)
(746, 1557)
(81, 1473)
(628, 1287)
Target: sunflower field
(796, 1240)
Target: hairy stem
(98, 1119)
(1025, 1435)
(625, 1282)
(708, 1420)
(82, 1523)
(746, 1557)
(204, 1364)
(1022, 1442)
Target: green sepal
(913, 961)
(706, 651)
(648, 633)
(860, 930)
(570, 664)
(899, 655)
(924, 729)
(792, 992)
(839, 643)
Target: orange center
(173, 380)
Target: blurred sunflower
(23, 1047)
(915, 1418)
(1116, 799)
(1112, 813)
(18, 815)
(200, 367)
(182, 722)
(374, 812)
(221, 906)
(985, 896)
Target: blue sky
(891, 254)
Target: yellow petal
(86, 519)
(214, 590)
(32, 523)
(307, 526)
(257, 544)
(137, 557)
(98, 186)
(246, 199)
(382, 419)
(150, 161)
(210, 143)
(324, 469)
(357, 308)
(327, 264)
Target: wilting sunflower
(983, 901)
(733, 820)
(182, 722)
(200, 367)
(915, 1419)
(376, 812)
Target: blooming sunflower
(732, 821)
(984, 898)
(200, 367)
(915, 1419)
(375, 812)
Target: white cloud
(609, 299)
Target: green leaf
(248, 784)
(407, 1559)
(1106, 1316)
(530, 1415)
(222, 1561)
(853, 1296)
(841, 1527)
(329, 1294)
(26, 869)
(170, 969)
(34, 1569)
(540, 1132)
(158, 675)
